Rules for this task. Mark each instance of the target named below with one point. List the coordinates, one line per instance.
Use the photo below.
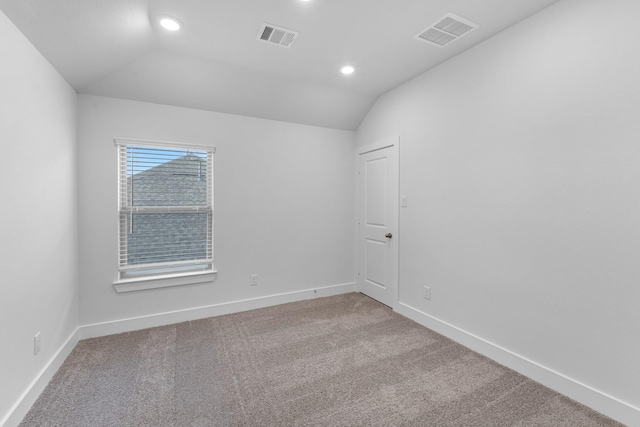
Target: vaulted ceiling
(215, 62)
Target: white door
(377, 247)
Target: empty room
(320, 213)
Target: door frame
(393, 143)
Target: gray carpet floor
(338, 361)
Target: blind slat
(167, 264)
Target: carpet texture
(338, 361)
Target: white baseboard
(168, 318)
(31, 394)
(601, 402)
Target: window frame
(172, 276)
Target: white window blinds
(165, 203)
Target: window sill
(163, 281)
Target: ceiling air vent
(448, 28)
(276, 35)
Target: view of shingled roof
(163, 237)
(179, 182)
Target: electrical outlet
(427, 292)
(36, 344)
(253, 280)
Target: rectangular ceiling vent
(277, 35)
(448, 28)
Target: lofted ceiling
(116, 48)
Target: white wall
(283, 205)
(521, 162)
(38, 243)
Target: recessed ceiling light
(169, 23)
(348, 69)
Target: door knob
(388, 235)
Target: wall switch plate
(403, 201)
(253, 280)
(427, 292)
(36, 344)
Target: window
(165, 208)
